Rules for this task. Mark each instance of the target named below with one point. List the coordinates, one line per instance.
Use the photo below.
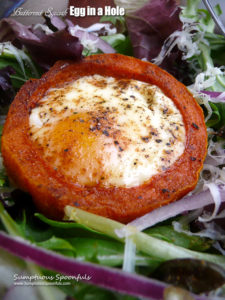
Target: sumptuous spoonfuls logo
(57, 279)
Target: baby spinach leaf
(59, 245)
(167, 233)
(88, 244)
(72, 229)
(102, 251)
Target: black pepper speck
(145, 139)
(195, 126)
(105, 132)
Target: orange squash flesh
(51, 192)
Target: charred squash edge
(51, 192)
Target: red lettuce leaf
(54, 23)
(44, 48)
(6, 88)
(150, 26)
(5, 82)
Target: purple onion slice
(105, 277)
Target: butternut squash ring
(51, 192)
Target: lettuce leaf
(5, 83)
(44, 48)
(6, 89)
(150, 26)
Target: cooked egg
(110, 134)
(99, 130)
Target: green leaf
(61, 224)
(31, 70)
(102, 251)
(201, 16)
(9, 224)
(221, 108)
(215, 117)
(120, 43)
(218, 117)
(89, 244)
(145, 243)
(167, 233)
(59, 245)
(4, 181)
(31, 228)
(72, 229)
(112, 19)
(211, 46)
(206, 20)
(190, 9)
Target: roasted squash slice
(64, 142)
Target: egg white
(108, 131)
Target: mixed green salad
(174, 252)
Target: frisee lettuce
(201, 48)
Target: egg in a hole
(113, 135)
